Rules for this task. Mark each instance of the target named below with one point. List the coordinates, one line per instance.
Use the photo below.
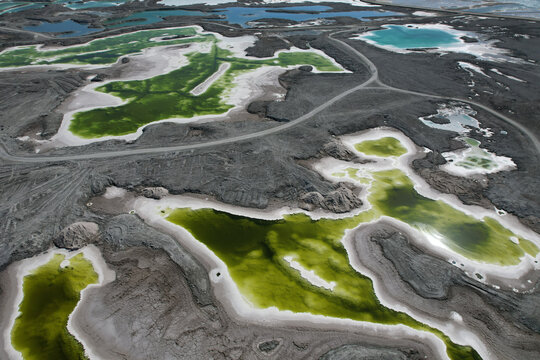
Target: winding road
(372, 83)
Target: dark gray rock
(338, 201)
(266, 46)
(154, 192)
(433, 278)
(306, 68)
(268, 346)
(127, 231)
(258, 108)
(359, 352)
(77, 235)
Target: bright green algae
(254, 252)
(101, 51)
(50, 295)
(169, 95)
(385, 147)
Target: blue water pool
(403, 37)
(243, 15)
(71, 28)
(150, 17)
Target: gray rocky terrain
(436, 287)
(161, 304)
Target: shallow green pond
(50, 294)
(254, 252)
(101, 51)
(384, 147)
(485, 240)
(169, 95)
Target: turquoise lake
(150, 17)
(404, 37)
(242, 15)
(69, 27)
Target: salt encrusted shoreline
(327, 166)
(149, 211)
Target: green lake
(169, 95)
(100, 51)
(161, 97)
(50, 294)
(256, 251)
(384, 147)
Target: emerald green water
(50, 294)
(254, 252)
(100, 51)
(169, 95)
(384, 147)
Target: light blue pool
(404, 37)
(71, 28)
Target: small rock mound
(306, 68)
(338, 151)
(268, 346)
(77, 235)
(154, 192)
(338, 201)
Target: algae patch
(384, 147)
(100, 51)
(50, 294)
(475, 160)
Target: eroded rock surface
(438, 289)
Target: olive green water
(169, 95)
(384, 147)
(50, 294)
(254, 252)
(254, 249)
